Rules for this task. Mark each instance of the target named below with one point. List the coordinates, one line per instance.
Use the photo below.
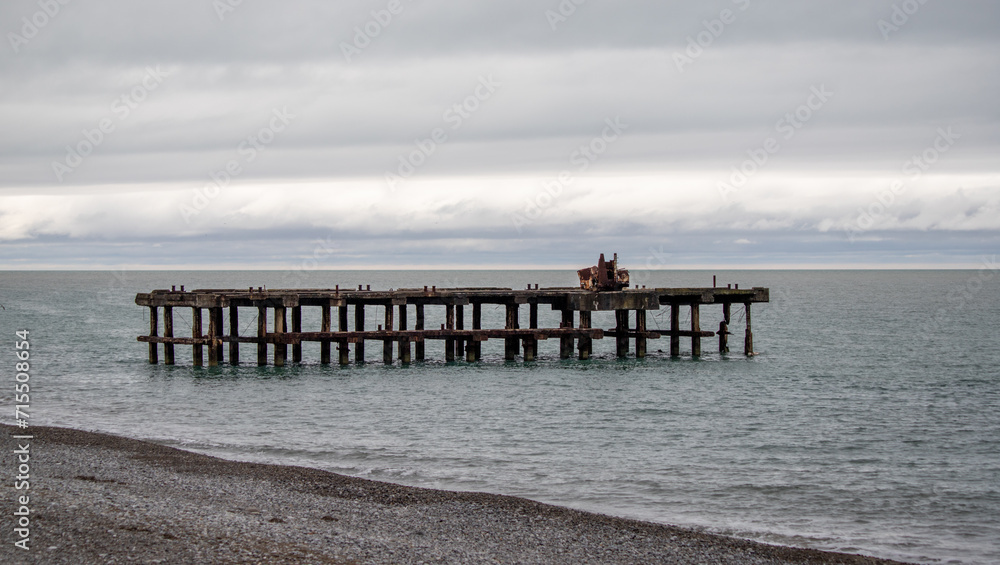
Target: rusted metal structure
(604, 276)
(461, 340)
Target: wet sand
(97, 498)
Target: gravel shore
(98, 498)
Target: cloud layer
(413, 132)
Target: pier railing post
(280, 349)
(640, 338)
(675, 327)
(261, 336)
(168, 331)
(197, 351)
(418, 324)
(586, 343)
(234, 335)
(324, 346)
(153, 332)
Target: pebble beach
(98, 498)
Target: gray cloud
(183, 94)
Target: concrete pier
(460, 342)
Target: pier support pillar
(510, 343)
(460, 344)
(586, 343)
(640, 338)
(168, 331)
(675, 327)
(213, 336)
(404, 351)
(324, 346)
(197, 351)
(280, 349)
(261, 336)
(343, 349)
(748, 338)
(529, 345)
(470, 351)
(234, 334)
(419, 325)
(724, 327)
(404, 343)
(566, 342)
(621, 333)
(387, 343)
(449, 344)
(296, 328)
(220, 332)
(477, 324)
(695, 327)
(153, 332)
(359, 326)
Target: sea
(869, 421)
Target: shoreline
(100, 498)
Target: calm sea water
(870, 422)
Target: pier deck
(575, 305)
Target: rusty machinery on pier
(604, 276)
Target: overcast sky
(424, 133)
